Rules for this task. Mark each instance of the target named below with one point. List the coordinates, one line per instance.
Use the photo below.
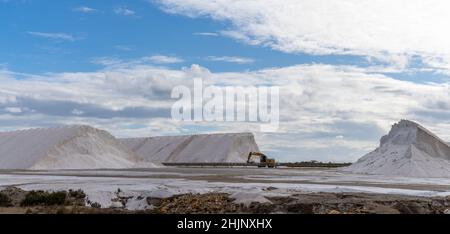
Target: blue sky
(102, 32)
(347, 71)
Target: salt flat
(246, 183)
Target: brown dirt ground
(219, 203)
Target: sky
(347, 70)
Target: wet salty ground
(241, 185)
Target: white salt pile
(70, 147)
(227, 147)
(408, 150)
(84, 147)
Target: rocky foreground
(15, 200)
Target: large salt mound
(408, 150)
(70, 147)
(227, 147)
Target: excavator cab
(264, 161)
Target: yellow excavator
(264, 161)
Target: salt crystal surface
(408, 150)
(68, 147)
(227, 147)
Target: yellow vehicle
(264, 161)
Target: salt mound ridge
(408, 150)
(69, 147)
(226, 147)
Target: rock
(334, 212)
(247, 198)
(197, 203)
(116, 204)
(154, 201)
(270, 188)
(96, 205)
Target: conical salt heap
(408, 150)
(66, 147)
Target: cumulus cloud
(318, 104)
(389, 31)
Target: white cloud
(163, 59)
(317, 103)
(54, 36)
(13, 109)
(116, 63)
(84, 9)
(124, 11)
(389, 30)
(440, 64)
(106, 61)
(209, 34)
(77, 112)
(231, 59)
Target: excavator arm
(262, 157)
(264, 161)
